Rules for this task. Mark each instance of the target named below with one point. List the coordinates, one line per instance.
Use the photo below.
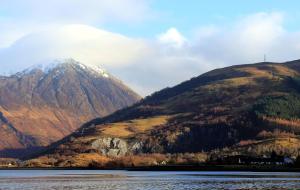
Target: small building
(288, 161)
(249, 160)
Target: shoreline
(233, 168)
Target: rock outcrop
(112, 146)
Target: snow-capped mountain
(46, 102)
(60, 66)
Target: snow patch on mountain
(63, 64)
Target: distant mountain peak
(48, 101)
(63, 64)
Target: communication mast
(272, 67)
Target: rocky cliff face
(115, 147)
(45, 103)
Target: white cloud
(248, 40)
(81, 42)
(21, 17)
(259, 32)
(172, 37)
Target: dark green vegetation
(285, 106)
(248, 110)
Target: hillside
(44, 103)
(246, 109)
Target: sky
(148, 44)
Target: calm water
(104, 180)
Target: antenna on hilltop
(265, 57)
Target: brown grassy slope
(288, 146)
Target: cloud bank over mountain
(72, 29)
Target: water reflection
(123, 180)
